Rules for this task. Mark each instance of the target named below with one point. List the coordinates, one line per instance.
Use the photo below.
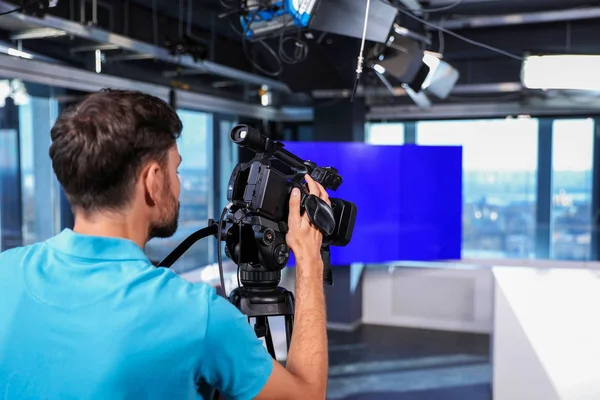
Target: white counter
(546, 340)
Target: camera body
(259, 192)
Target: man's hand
(303, 238)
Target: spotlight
(402, 61)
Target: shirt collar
(96, 247)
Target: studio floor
(384, 363)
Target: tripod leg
(269, 338)
(289, 326)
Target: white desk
(546, 340)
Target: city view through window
(500, 162)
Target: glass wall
(39, 186)
(499, 182)
(10, 189)
(228, 158)
(572, 163)
(28, 187)
(499, 179)
(385, 133)
(197, 192)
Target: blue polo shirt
(85, 317)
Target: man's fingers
(317, 189)
(313, 187)
(324, 195)
(294, 214)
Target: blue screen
(409, 199)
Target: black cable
(224, 4)
(300, 52)
(356, 82)
(236, 30)
(256, 65)
(270, 50)
(22, 7)
(240, 252)
(456, 35)
(219, 252)
(154, 22)
(180, 18)
(441, 38)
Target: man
(85, 315)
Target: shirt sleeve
(234, 361)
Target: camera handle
(319, 213)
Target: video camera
(259, 193)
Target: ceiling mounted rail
(61, 76)
(473, 110)
(539, 17)
(103, 37)
(379, 91)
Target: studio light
(430, 75)
(568, 72)
(265, 96)
(442, 76)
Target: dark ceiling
(332, 58)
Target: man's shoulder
(19, 253)
(173, 283)
(168, 292)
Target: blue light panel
(409, 199)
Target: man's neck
(111, 225)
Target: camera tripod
(264, 303)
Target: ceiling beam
(60, 76)
(531, 107)
(103, 37)
(375, 91)
(521, 19)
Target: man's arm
(305, 375)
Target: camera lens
(239, 135)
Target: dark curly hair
(100, 145)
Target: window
(572, 161)
(228, 158)
(39, 186)
(385, 133)
(28, 187)
(499, 182)
(10, 207)
(195, 174)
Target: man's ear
(153, 180)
